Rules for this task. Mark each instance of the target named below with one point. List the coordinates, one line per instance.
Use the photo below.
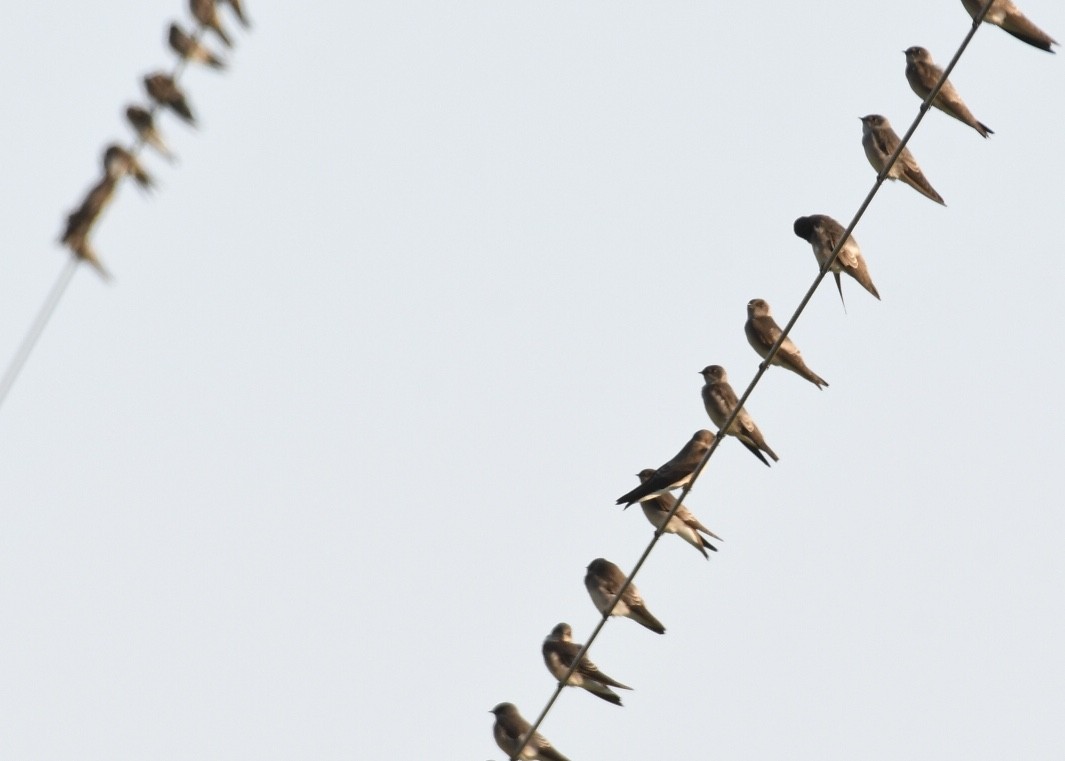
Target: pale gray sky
(318, 472)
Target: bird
(720, 400)
(762, 332)
(880, 142)
(164, 91)
(510, 727)
(823, 233)
(922, 74)
(119, 162)
(674, 473)
(81, 221)
(603, 581)
(683, 523)
(192, 49)
(206, 12)
(238, 8)
(144, 125)
(560, 653)
(1004, 13)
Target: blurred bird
(206, 12)
(720, 400)
(822, 233)
(560, 653)
(762, 332)
(238, 8)
(165, 92)
(510, 727)
(119, 162)
(143, 124)
(683, 523)
(81, 221)
(880, 142)
(922, 74)
(1005, 14)
(192, 49)
(674, 473)
(603, 581)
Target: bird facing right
(922, 74)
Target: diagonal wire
(925, 105)
(44, 315)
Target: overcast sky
(315, 475)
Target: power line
(881, 177)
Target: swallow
(880, 141)
(762, 332)
(683, 523)
(192, 49)
(510, 727)
(206, 12)
(675, 473)
(165, 92)
(823, 233)
(922, 74)
(238, 8)
(119, 162)
(560, 653)
(603, 581)
(144, 125)
(81, 221)
(1004, 13)
(720, 400)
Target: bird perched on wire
(823, 233)
(81, 221)
(683, 523)
(720, 400)
(922, 74)
(511, 726)
(192, 49)
(1006, 15)
(164, 91)
(560, 653)
(118, 162)
(673, 474)
(880, 142)
(206, 12)
(144, 125)
(603, 581)
(238, 8)
(762, 332)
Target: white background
(320, 469)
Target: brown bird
(603, 581)
(683, 523)
(560, 653)
(192, 49)
(720, 400)
(119, 162)
(238, 8)
(206, 12)
(762, 332)
(81, 221)
(675, 473)
(165, 92)
(1005, 14)
(922, 74)
(880, 143)
(144, 125)
(823, 233)
(511, 726)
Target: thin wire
(881, 177)
(44, 315)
